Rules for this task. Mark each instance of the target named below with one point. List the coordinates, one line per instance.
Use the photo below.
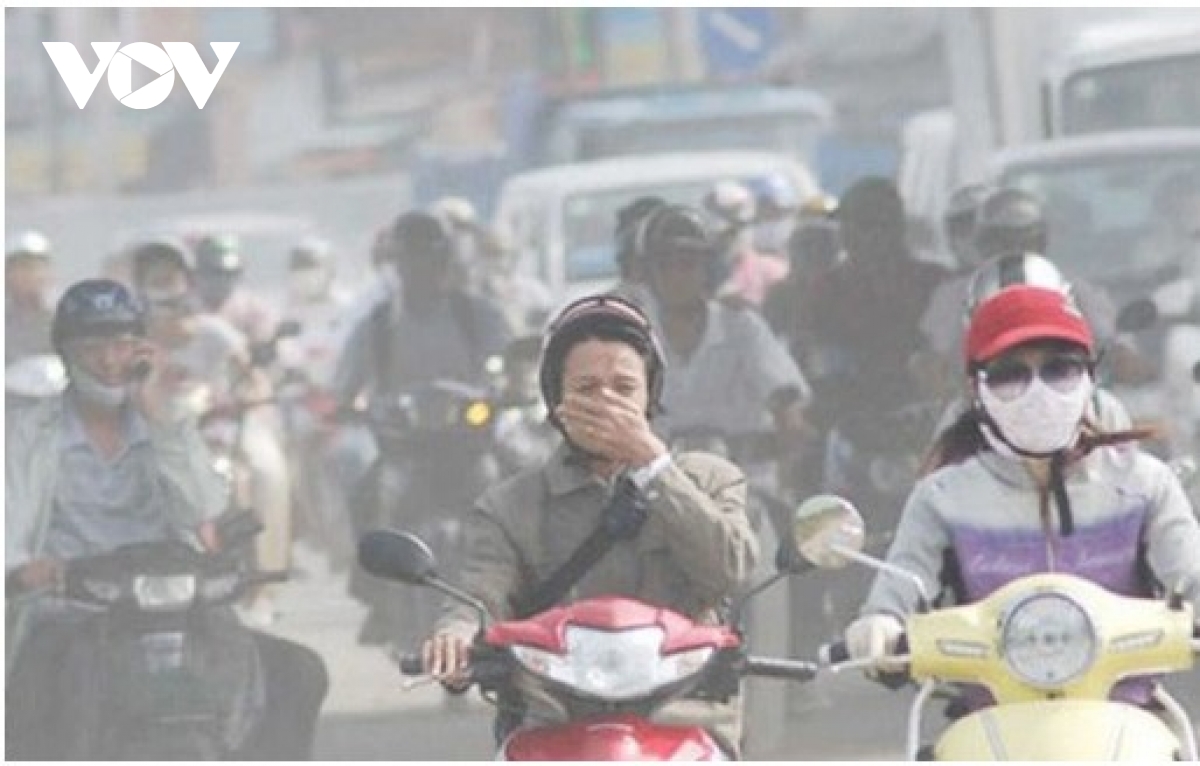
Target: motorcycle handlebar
(483, 669)
(792, 670)
(836, 652)
(412, 665)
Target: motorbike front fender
(616, 738)
(1086, 730)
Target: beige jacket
(696, 549)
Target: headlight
(613, 665)
(477, 414)
(1048, 640)
(166, 592)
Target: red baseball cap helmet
(1020, 314)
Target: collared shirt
(103, 503)
(726, 382)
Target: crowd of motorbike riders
(758, 348)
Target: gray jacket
(986, 511)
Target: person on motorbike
(27, 273)
(815, 248)
(525, 299)
(209, 367)
(941, 324)
(219, 269)
(730, 373)
(1025, 482)
(864, 321)
(461, 221)
(430, 330)
(1024, 269)
(113, 429)
(757, 252)
(318, 303)
(631, 267)
(682, 538)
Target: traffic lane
(843, 717)
(848, 719)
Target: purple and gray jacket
(985, 512)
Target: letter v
(196, 78)
(73, 71)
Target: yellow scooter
(1049, 648)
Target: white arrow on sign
(743, 36)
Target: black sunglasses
(1010, 378)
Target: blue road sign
(735, 41)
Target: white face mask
(91, 390)
(1040, 421)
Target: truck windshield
(1163, 92)
(1102, 216)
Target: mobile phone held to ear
(140, 370)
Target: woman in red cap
(1024, 483)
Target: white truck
(1021, 75)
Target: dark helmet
(872, 203)
(1010, 221)
(219, 254)
(95, 308)
(311, 253)
(958, 221)
(1014, 269)
(629, 219)
(143, 255)
(604, 317)
(815, 246)
(678, 228)
(419, 234)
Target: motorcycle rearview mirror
(825, 529)
(827, 532)
(821, 522)
(398, 556)
(1137, 315)
(404, 557)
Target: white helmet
(28, 244)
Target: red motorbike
(603, 665)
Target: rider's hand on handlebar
(610, 425)
(40, 573)
(447, 658)
(875, 637)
